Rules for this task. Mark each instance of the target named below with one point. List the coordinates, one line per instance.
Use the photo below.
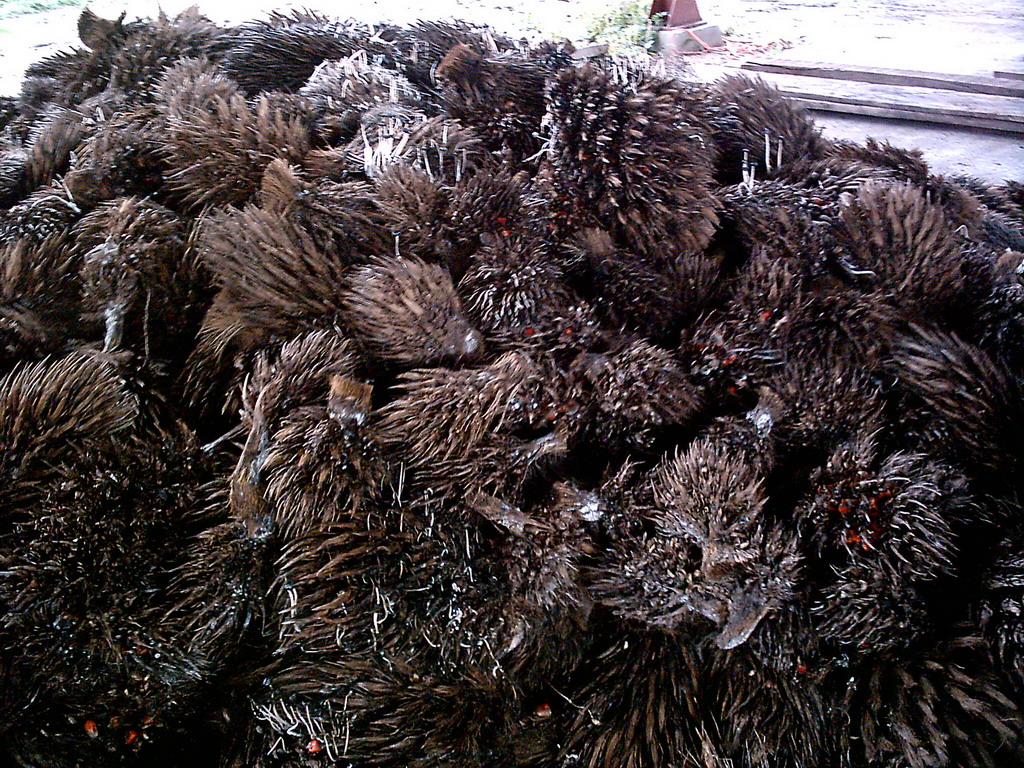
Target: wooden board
(1009, 74)
(998, 113)
(988, 124)
(590, 51)
(880, 75)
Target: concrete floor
(935, 35)
(930, 36)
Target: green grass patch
(9, 8)
(626, 27)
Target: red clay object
(681, 13)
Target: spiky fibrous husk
(544, 548)
(812, 409)
(8, 110)
(12, 174)
(340, 92)
(67, 78)
(22, 336)
(617, 130)
(1001, 225)
(777, 216)
(637, 394)
(647, 295)
(406, 312)
(81, 503)
(753, 436)
(219, 594)
(376, 550)
(1001, 232)
(129, 220)
(550, 54)
(225, 349)
(487, 207)
(1014, 192)
(995, 199)
(40, 300)
(777, 317)
(142, 279)
(283, 51)
(519, 297)
(1000, 327)
(191, 85)
(298, 374)
(502, 97)
(50, 409)
(47, 213)
(958, 201)
(638, 704)
(767, 716)
(750, 120)
(388, 716)
(148, 51)
(788, 210)
(439, 146)
(474, 416)
(121, 157)
(53, 141)
(970, 397)
(308, 401)
(885, 529)
(948, 708)
(342, 218)
(421, 47)
(486, 587)
(417, 211)
(258, 302)
(830, 176)
(294, 281)
(910, 254)
(1001, 610)
(122, 57)
(907, 164)
(694, 541)
(123, 666)
(354, 83)
(217, 154)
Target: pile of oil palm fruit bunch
(415, 397)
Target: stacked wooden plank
(993, 103)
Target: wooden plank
(908, 106)
(1001, 113)
(1008, 74)
(890, 113)
(590, 51)
(883, 76)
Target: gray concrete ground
(936, 35)
(929, 35)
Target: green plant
(626, 27)
(9, 8)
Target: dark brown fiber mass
(409, 397)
